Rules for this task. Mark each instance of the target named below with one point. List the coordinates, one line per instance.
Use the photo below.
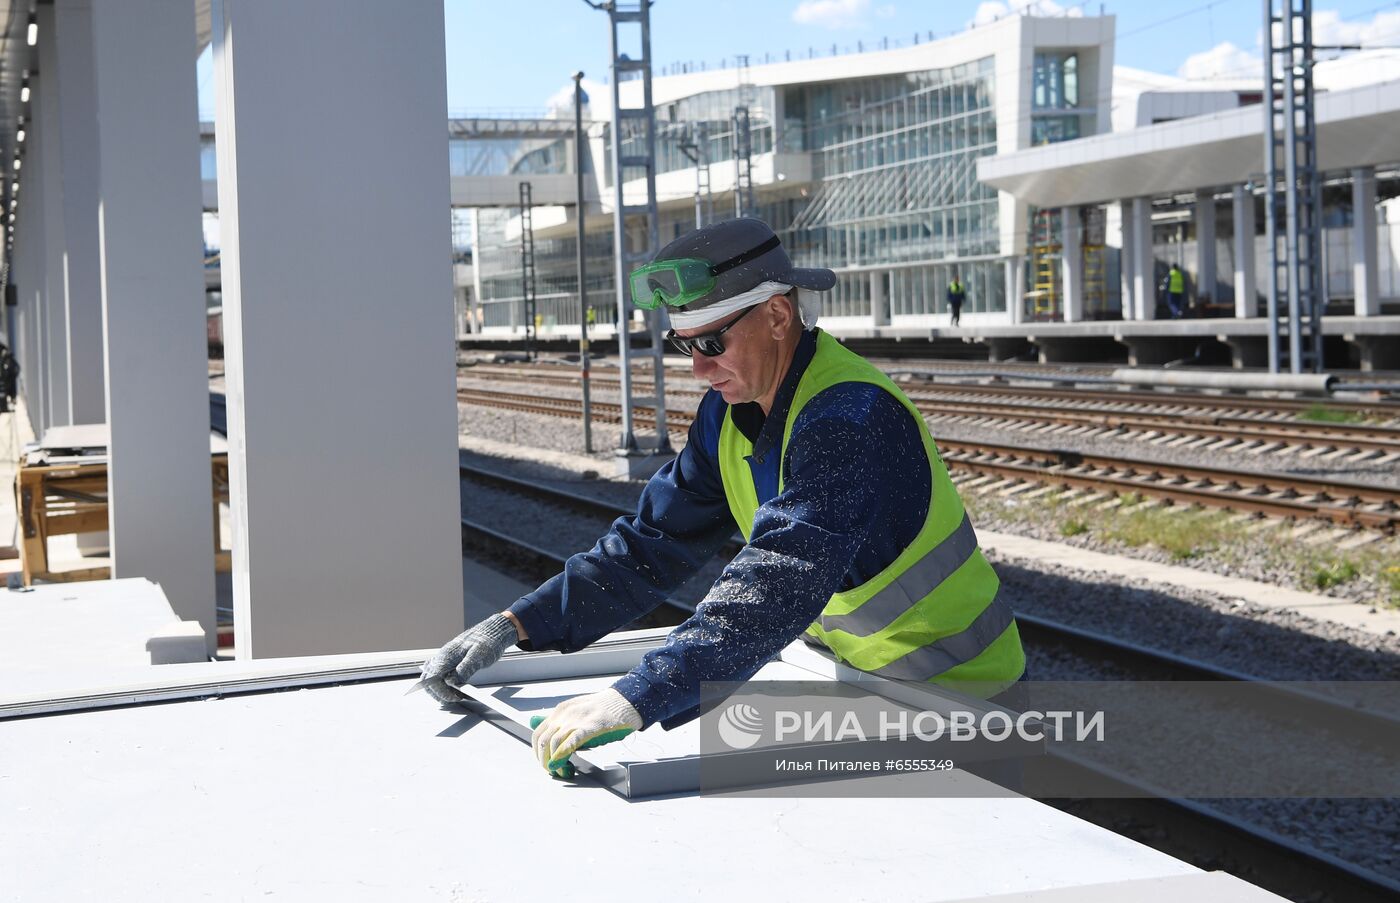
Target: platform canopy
(1356, 127)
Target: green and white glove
(581, 723)
(454, 664)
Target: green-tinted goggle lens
(674, 283)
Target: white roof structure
(1356, 127)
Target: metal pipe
(582, 284)
(1309, 383)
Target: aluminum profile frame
(681, 774)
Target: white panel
(160, 485)
(338, 325)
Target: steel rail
(1233, 405)
(1279, 495)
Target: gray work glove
(474, 649)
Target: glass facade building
(885, 193)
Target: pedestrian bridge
(488, 158)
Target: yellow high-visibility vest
(933, 614)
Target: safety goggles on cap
(676, 283)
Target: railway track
(1181, 827)
(1260, 427)
(1077, 397)
(1346, 503)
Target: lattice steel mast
(1292, 189)
(641, 118)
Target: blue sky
(515, 55)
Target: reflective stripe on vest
(933, 613)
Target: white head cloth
(809, 307)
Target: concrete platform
(1374, 341)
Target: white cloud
(1329, 28)
(991, 10)
(885, 12)
(1224, 60)
(833, 14)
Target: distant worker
(856, 538)
(1175, 286)
(957, 294)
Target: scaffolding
(1045, 265)
(1095, 269)
(1293, 216)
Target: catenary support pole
(583, 352)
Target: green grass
(1326, 576)
(1323, 414)
(1210, 535)
(1073, 527)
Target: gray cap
(720, 243)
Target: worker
(1175, 285)
(856, 539)
(957, 294)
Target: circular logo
(740, 725)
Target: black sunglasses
(708, 344)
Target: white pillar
(1246, 293)
(45, 156)
(1365, 275)
(1144, 261)
(1125, 259)
(477, 313)
(1014, 277)
(879, 303)
(347, 538)
(160, 484)
(1072, 270)
(82, 291)
(1205, 245)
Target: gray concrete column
(879, 302)
(1125, 259)
(82, 290)
(1246, 293)
(1205, 246)
(1072, 269)
(45, 156)
(478, 314)
(1015, 279)
(1365, 273)
(344, 488)
(1144, 263)
(160, 484)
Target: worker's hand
(581, 723)
(474, 649)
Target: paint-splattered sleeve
(682, 519)
(853, 466)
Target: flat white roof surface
(1356, 127)
(53, 635)
(357, 792)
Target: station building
(1017, 155)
